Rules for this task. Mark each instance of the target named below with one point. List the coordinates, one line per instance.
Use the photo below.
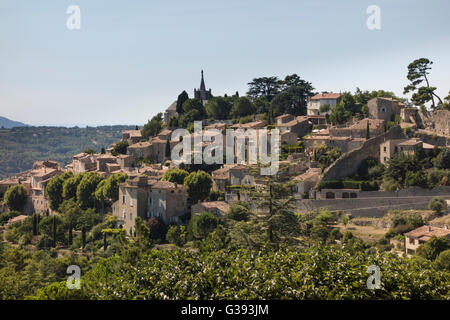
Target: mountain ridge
(8, 124)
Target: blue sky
(131, 59)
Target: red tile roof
(321, 96)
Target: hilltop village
(359, 156)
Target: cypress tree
(70, 233)
(168, 149)
(54, 231)
(83, 236)
(105, 244)
(367, 131)
(35, 224)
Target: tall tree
(263, 87)
(418, 71)
(242, 107)
(218, 108)
(199, 185)
(16, 197)
(182, 97)
(152, 127)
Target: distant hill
(8, 124)
(21, 146)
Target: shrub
(438, 205)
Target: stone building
(218, 208)
(408, 147)
(201, 93)
(145, 198)
(83, 162)
(315, 102)
(299, 125)
(416, 237)
(131, 136)
(384, 108)
(359, 129)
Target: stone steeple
(202, 93)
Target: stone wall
(375, 203)
(348, 163)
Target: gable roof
(327, 96)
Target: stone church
(201, 94)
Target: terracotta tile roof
(219, 205)
(145, 144)
(284, 116)
(373, 124)
(410, 142)
(321, 96)
(428, 232)
(133, 133)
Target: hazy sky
(131, 59)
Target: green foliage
(109, 188)
(242, 107)
(442, 262)
(176, 235)
(443, 159)
(21, 147)
(201, 225)
(438, 205)
(218, 108)
(239, 211)
(315, 273)
(339, 115)
(54, 189)
(157, 228)
(199, 185)
(15, 197)
(175, 175)
(418, 71)
(70, 185)
(182, 97)
(266, 87)
(86, 190)
(432, 248)
(5, 216)
(152, 127)
(325, 108)
(120, 148)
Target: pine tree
(275, 210)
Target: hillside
(21, 146)
(8, 124)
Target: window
(123, 213)
(411, 241)
(131, 216)
(384, 148)
(148, 214)
(150, 201)
(131, 202)
(123, 199)
(160, 203)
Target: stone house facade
(145, 198)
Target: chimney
(429, 228)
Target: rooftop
(427, 232)
(327, 96)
